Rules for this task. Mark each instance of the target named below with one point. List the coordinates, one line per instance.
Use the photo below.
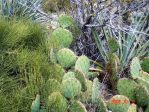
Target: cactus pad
(61, 38)
(135, 67)
(132, 108)
(95, 90)
(145, 64)
(66, 57)
(142, 96)
(69, 75)
(81, 77)
(127, 88)
(51, 86)
(77, 106)
(71, 87)
(65, 21)
(82, 64)
(119, 103)
(36, 104)
(57, 103)
(102, 105)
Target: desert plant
(83, 64)
(119, 103)
(127, 41)
(61, 38)
(56, 102)
(66, 58)
(77, 106)
(131, 86)
(95, 90)
(145, 64)
(71, 87)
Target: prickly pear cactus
(86, 96)
(77, 106)
(65, 21)
(127, 88)
(71, 87)
(142, 96)
(102, 105)
(36, 104)
(119, 103)
(132, 108)
(69, 75)
(51, 86)
(81, 77)
(145, 64)
(135, 67)
(143, 79)
(95, 90)
(57, 103)
(66, 58)
(113, 45)
(82, 64)
(61, 38)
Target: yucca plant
(30, 9)
(132, 43)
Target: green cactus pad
(142, 96)
(113, 45)
(65, 21)
(81, 77)
(51, 86)
(77, 106)
(143, 79)
(135, 67)
(61, 38)
(145, 64)
(119, 103)
(127, 88)
(71, 87)
(95, 90)
(82, 64)
(69, 75)
(36, 104)
(57, 103)
(102, 105)
(132, 108)
(86, 96)
(66, 57)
